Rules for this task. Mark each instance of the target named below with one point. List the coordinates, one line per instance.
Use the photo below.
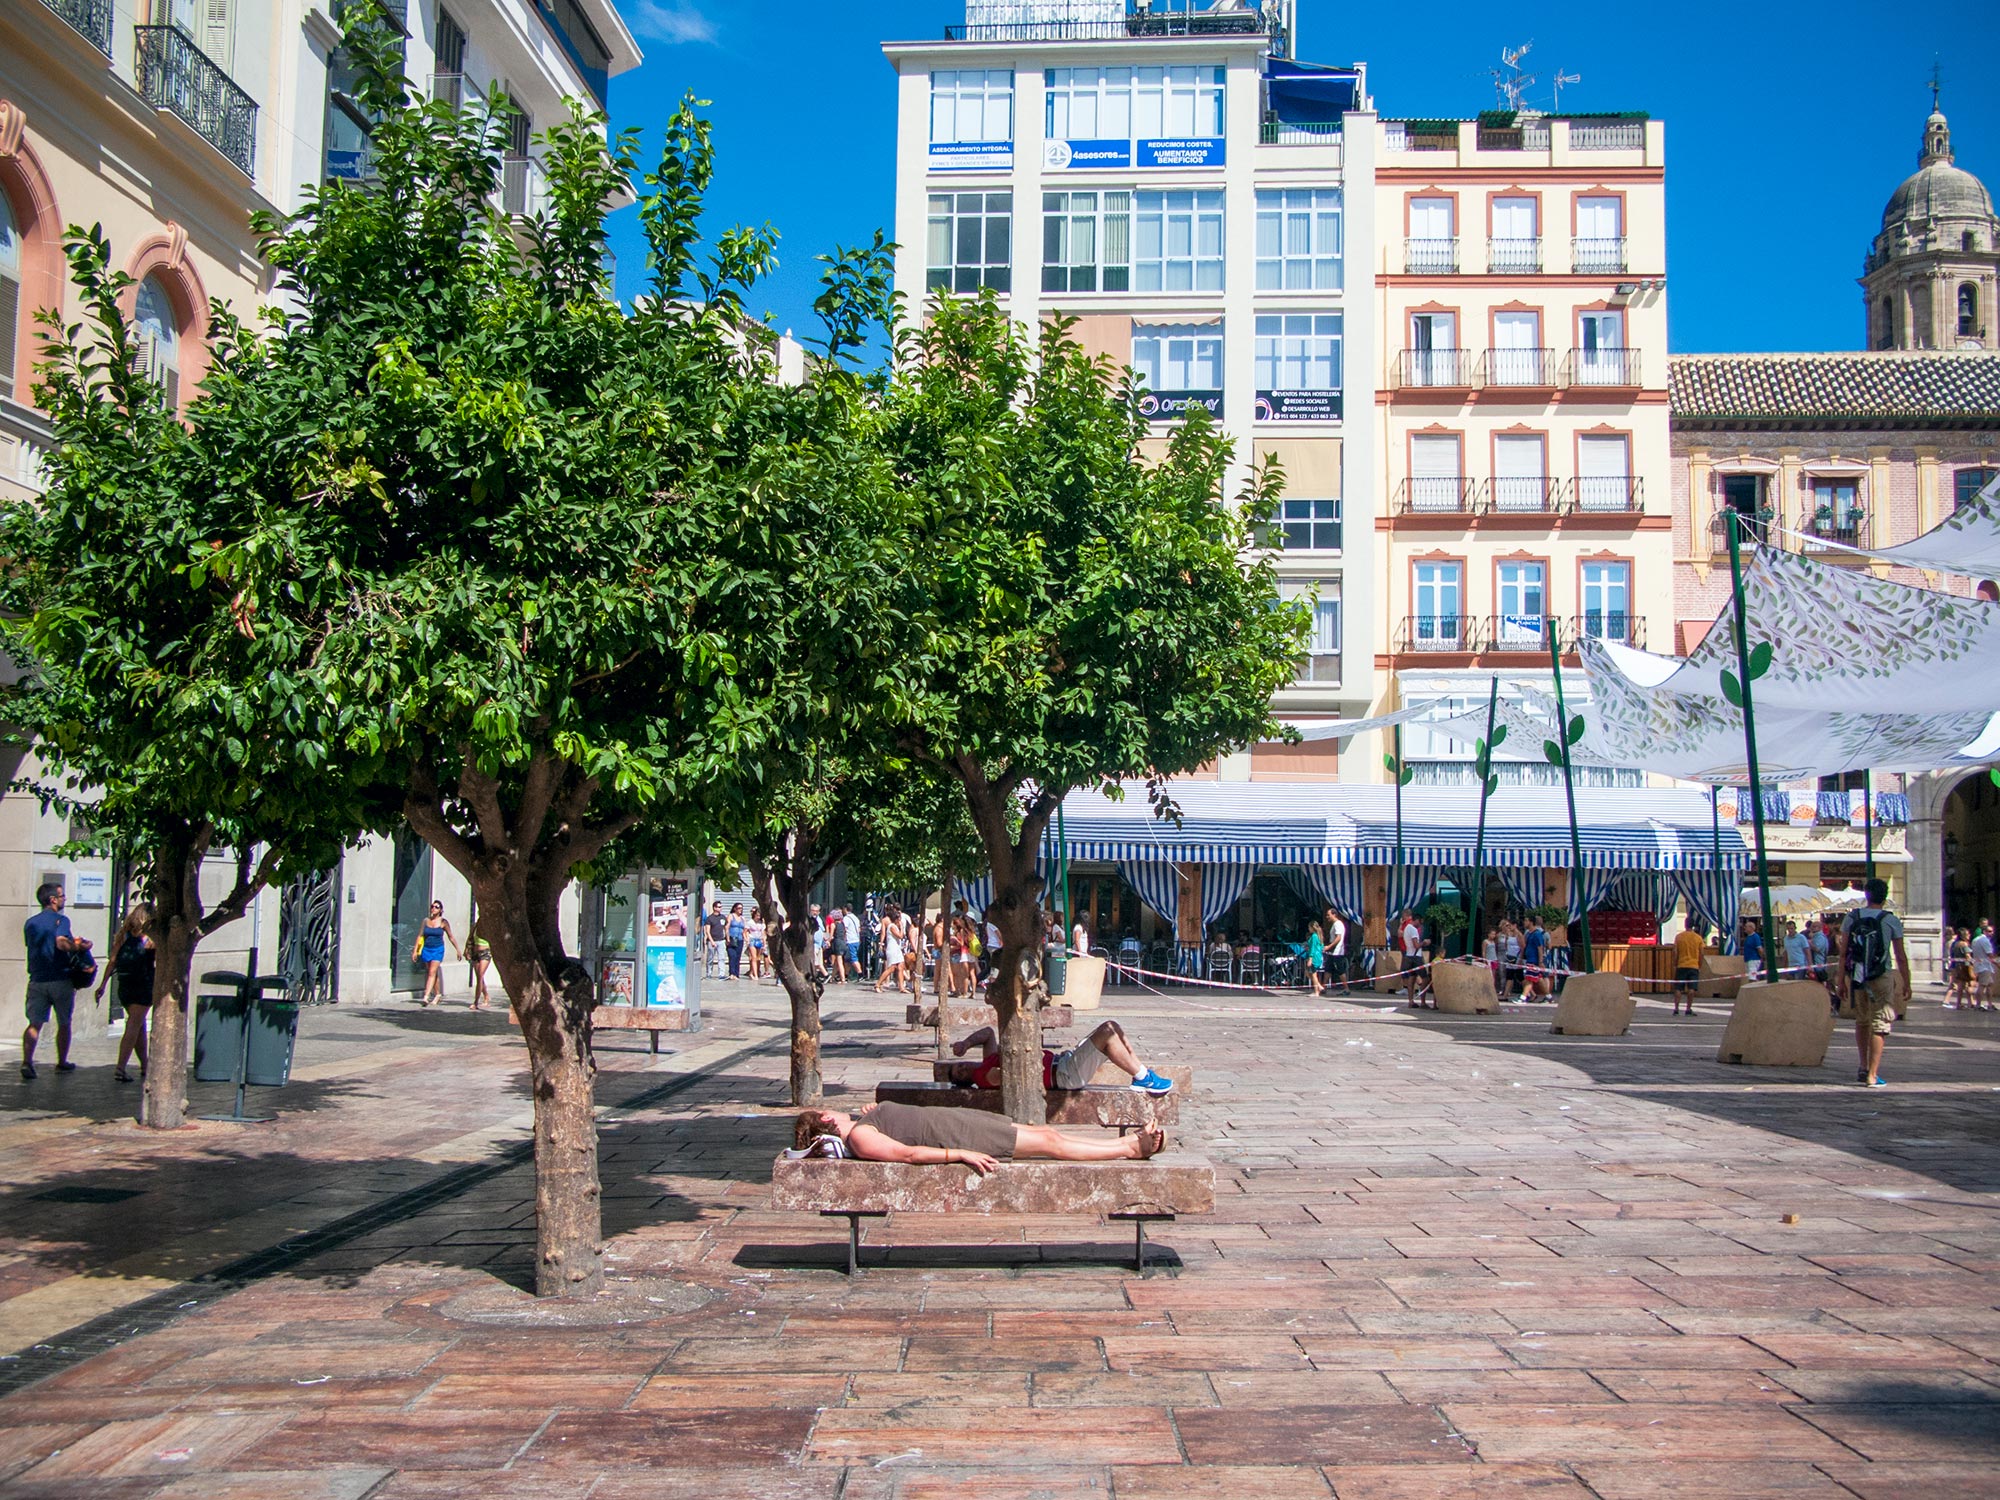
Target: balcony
(1437, 496)
(1526, 494)
(1436, 633)
(1607, 135)
(1751, 535)
(1420, 135)
(1609, 368)
(1588, 257)
(1534, 369)
(176, 75)
(522, 186)
(89, 19)
(1848, 530)
(1435, 369)
(451, 89)
(1513, 255)
(1610, 494)
(1143, 18)
(1300, 133)
(1521, 635)
(1527, 135)
(1322, 669)
(1604, 625)
(1430, 257)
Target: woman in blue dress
(429, 951)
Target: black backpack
(1867, 945)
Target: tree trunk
(176, 932)
(1017, 994)
(787, 889)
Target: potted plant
(1447, 920)
(1555, 920)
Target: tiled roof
(1897, 387)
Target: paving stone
(1320, 1435)
(1466, 1482)
(1101, 1435)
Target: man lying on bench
(970, 1137)
(1072, 1069)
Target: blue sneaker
(1878, 1082)
(1150, 1082)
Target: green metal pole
(1868, 817)
(1062, 871)
(1396, 880)
(1483, 765)
(1588, 965)
(1750, 730)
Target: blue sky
(1788, 124)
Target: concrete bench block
(1782, 1025)
(1721, 975)
(1594, 1005)
(1083, 981)
(964, 1016)
(1171, 1183)
(1389, 979)
(1120, 1106)
(1464, 989)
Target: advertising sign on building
(1197, 151)
(1078, 156)
(1521, 630)
(667, 944)
(1171, 406)
(1298, 406)
(972, 156)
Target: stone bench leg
(854, 1218)
(1139, 1223)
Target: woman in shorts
(976, 1138)
(753, 937)
(1958, 988)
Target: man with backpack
(1868, 940)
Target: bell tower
(1932, 275)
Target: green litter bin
(244, 1040)
(1055, 969)
(218, 1034)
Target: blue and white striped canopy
(1322, 823)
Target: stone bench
(653, 1019)
(1109, 1105)
(965, 1016)
(1139, 1192)
(960, 1070)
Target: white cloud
(671, 21)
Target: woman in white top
(895, 946)
(753, 939)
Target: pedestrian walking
(895, 940)
(478, 958)
(1869, 940)
(715, 938)
(1315, 957)
(849, 938)
(132, 965)
(53, 958)
(1689, 945)
(1334, 967)
(756, 940)
(1982, 966)
(732, 935)
(429, 951)
(1958, 971)
(1410, 944)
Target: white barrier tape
(1526, 971)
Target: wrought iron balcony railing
(176, 75)
(1430, 257)
(1526, 635)
(1844, 530)
(1525, 494)
(1300, 133)
(89, 19)
(1513, 255)
(1718, 529)
(449, 88)
(1608, 625)
(1440, 633)
(1534, 368)
(1607, 135)
(1610, 494)
(1617, 368)
(1599, 255)
(1437, 496)
(1435, 369)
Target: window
(1439, 591)
(1607, 600)
(1520, 472)
(970, 242)
(1885, 337)
(1516, 356)
(1433, 243)
(1173, 359)
(1086, 242)
(1601, 357)
(1433, 357)
(1965, 484)
(1089, 104)
(1968, 311)
(1604, 472)
(1836, 505)
(972, 104)
(1600, 235)
(1178, 102)
(1322, 663)
(1516, 244)
(1310, 525)
(209, 24)
(1523, 597)
(1179, 242)
(158, 337)
(1436, 480)
(1743, 492)
(1298, 240)
(10, 293)
(1297, 352)
(448, 78)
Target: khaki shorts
(1875, 1004)
(1076, 1067)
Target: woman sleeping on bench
(975, 1138)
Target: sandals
(122, 1076)
(1151, 1143)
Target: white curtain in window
(1513, 218)
(1430, 218)
(1598, 219)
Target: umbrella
(1792, 900)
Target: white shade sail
(1967, 541)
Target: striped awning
(1320, 823)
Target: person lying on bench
(1072, 1069)
(975, 1138)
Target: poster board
(666, 955)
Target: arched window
(1886, 338)
(1970, 240)
(10, 294)
(157, 328)
(1968, 311)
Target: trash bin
(1055, 969)
(218, 1034)
(274, 1031)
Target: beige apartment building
(1521, 405)
(168, 122)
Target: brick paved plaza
(1449, 1258)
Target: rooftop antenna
(1509, 82)
(1562, 78)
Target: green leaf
(1760, 659)
(1993, 772)
(1389, 764)
(1576, 729)
(1409, 775)
(1553, 751)
(1499, 734)
(1492, 785)
(1732, 690)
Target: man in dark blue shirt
(50, 992)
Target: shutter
(216, 20)
(10, 321)
(1517, 330)
(1601, 458)
(1513, 218)
(1517, 457)
(1430, 218)
(1597, 218)
(1434, 457)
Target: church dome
(1937, 190)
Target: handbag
(82, 969)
